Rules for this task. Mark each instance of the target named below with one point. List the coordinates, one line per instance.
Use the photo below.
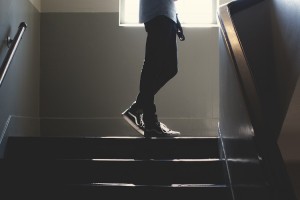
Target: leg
(170, 63)
(159, 67)
(160, 63)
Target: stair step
(92, 168)
(250, 192)
(107, 191)
(250, 185)
(118, 147)
(254, 175)
(141, 172)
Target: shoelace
(164, 127)
(142, 121)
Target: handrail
(11, 51)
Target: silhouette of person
(160, 65)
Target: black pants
(160, 63)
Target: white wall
(224, 1)
(84, 5)
(80, 5)
(37, 4)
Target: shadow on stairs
(91, 168)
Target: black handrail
(11, 51)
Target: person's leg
(170, 61)
(156, 70)
(144, 105)
(159, 67)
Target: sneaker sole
(133, 125)
(154, 134)
(161, 136)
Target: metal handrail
(13, 45)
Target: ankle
(136, 108)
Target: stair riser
(84, 148)
(136, 172)
(107, 192)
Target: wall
(258, 47)
(37, 4)
(85, 5)
(90, 73)
(290, 137)
(286, 45)
(287, 50)
(224, 1)
(80, 5)
(19, 94)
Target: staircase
(91, 168)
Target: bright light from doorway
(129, 12)
(192, 13)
